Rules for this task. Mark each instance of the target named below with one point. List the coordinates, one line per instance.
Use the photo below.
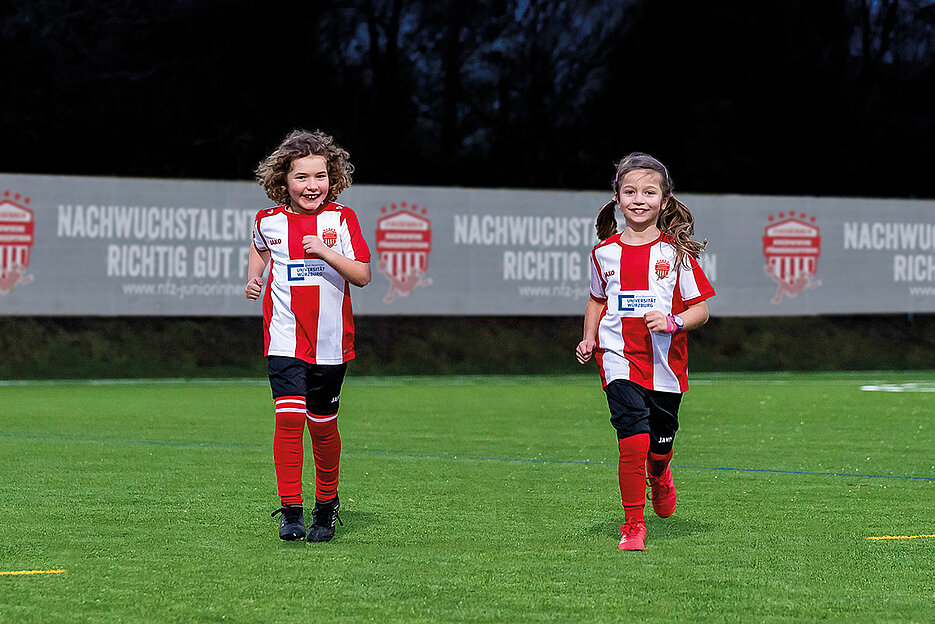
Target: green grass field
(478, 499)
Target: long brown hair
(272, 170)
(675, 219)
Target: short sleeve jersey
(632, 280)
(307, 307)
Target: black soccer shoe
(324, 516)
(291, 522)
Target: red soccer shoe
(634, 536)
(663, 493)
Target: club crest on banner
(17, 229)
(792, 246)
(404, 242)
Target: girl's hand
(655, 321)
(584, 350)
(254, 288)
(313, 246)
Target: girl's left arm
(695, 316)
(692, 317)
(354, 271)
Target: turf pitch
(478, 499)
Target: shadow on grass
(659, 528)
(354, 521)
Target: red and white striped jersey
(633, 280)
(307, 307)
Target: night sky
(834, 97)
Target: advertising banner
(124, 247)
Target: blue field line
(36, 436)
(614, 463)
(530, 460)
(805, 472)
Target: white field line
(912, 386)
(870, 381)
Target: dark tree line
(827, 97)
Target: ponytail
(607, 220)
(677, 221)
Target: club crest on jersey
(17, 227)
(662, 269)
(791, 246)
(330, 237)
(404, 242)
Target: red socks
(326, 445)
(287, 448)
(291, 417)
(632, 474)
(656, 464)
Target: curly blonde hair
(675, 219)
(272, 170)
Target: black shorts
(635, 409)
(320, 384)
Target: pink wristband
(671, 325)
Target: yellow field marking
(32, 572)
(892, 537)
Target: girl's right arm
(256, 264)
(592, 319)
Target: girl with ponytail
(647, 290)
(675, 219)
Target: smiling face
(640, 199)
(307, 182)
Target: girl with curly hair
(315, 251)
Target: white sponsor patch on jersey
(304, 272)
(635, 302)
